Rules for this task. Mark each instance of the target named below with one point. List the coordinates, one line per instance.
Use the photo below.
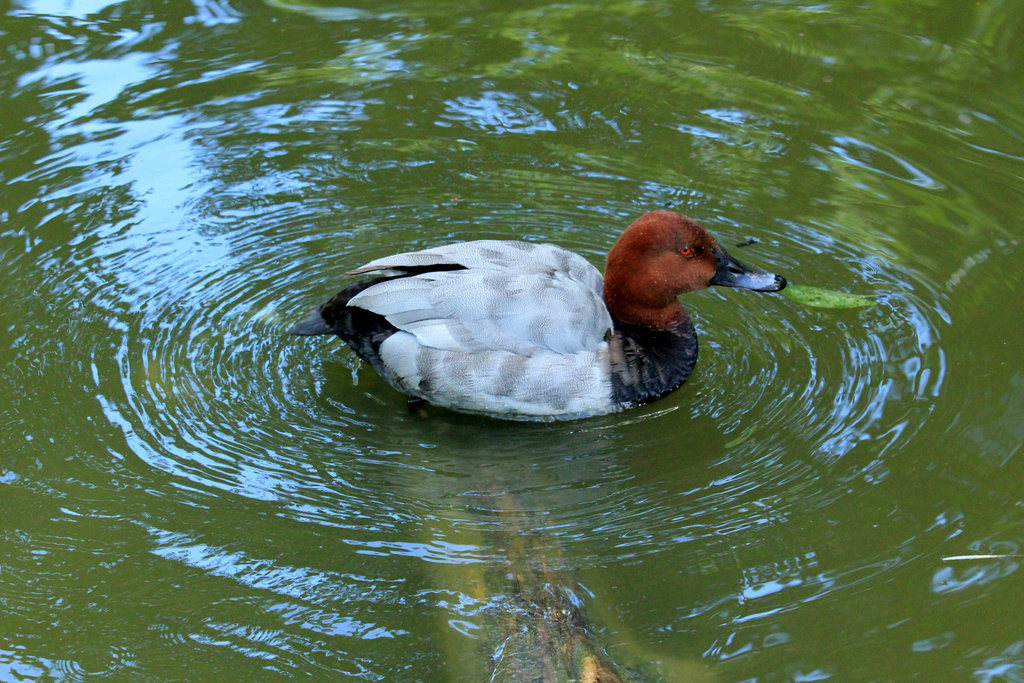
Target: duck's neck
(635, 303)
(671, 317)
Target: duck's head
(662, 255)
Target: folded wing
(483, 296)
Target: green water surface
(187, 493)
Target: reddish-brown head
(662, 255)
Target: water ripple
(206, 387)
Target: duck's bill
(732, 273)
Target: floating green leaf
(825, 298)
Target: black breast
(647, 364)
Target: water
(190, 493)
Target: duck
(531, 331)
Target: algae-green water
(188, 493)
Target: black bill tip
(732, 273)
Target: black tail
(312, 325)
(363, 330)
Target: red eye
(686, 251)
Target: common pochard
(518, 330)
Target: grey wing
(512, 296)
